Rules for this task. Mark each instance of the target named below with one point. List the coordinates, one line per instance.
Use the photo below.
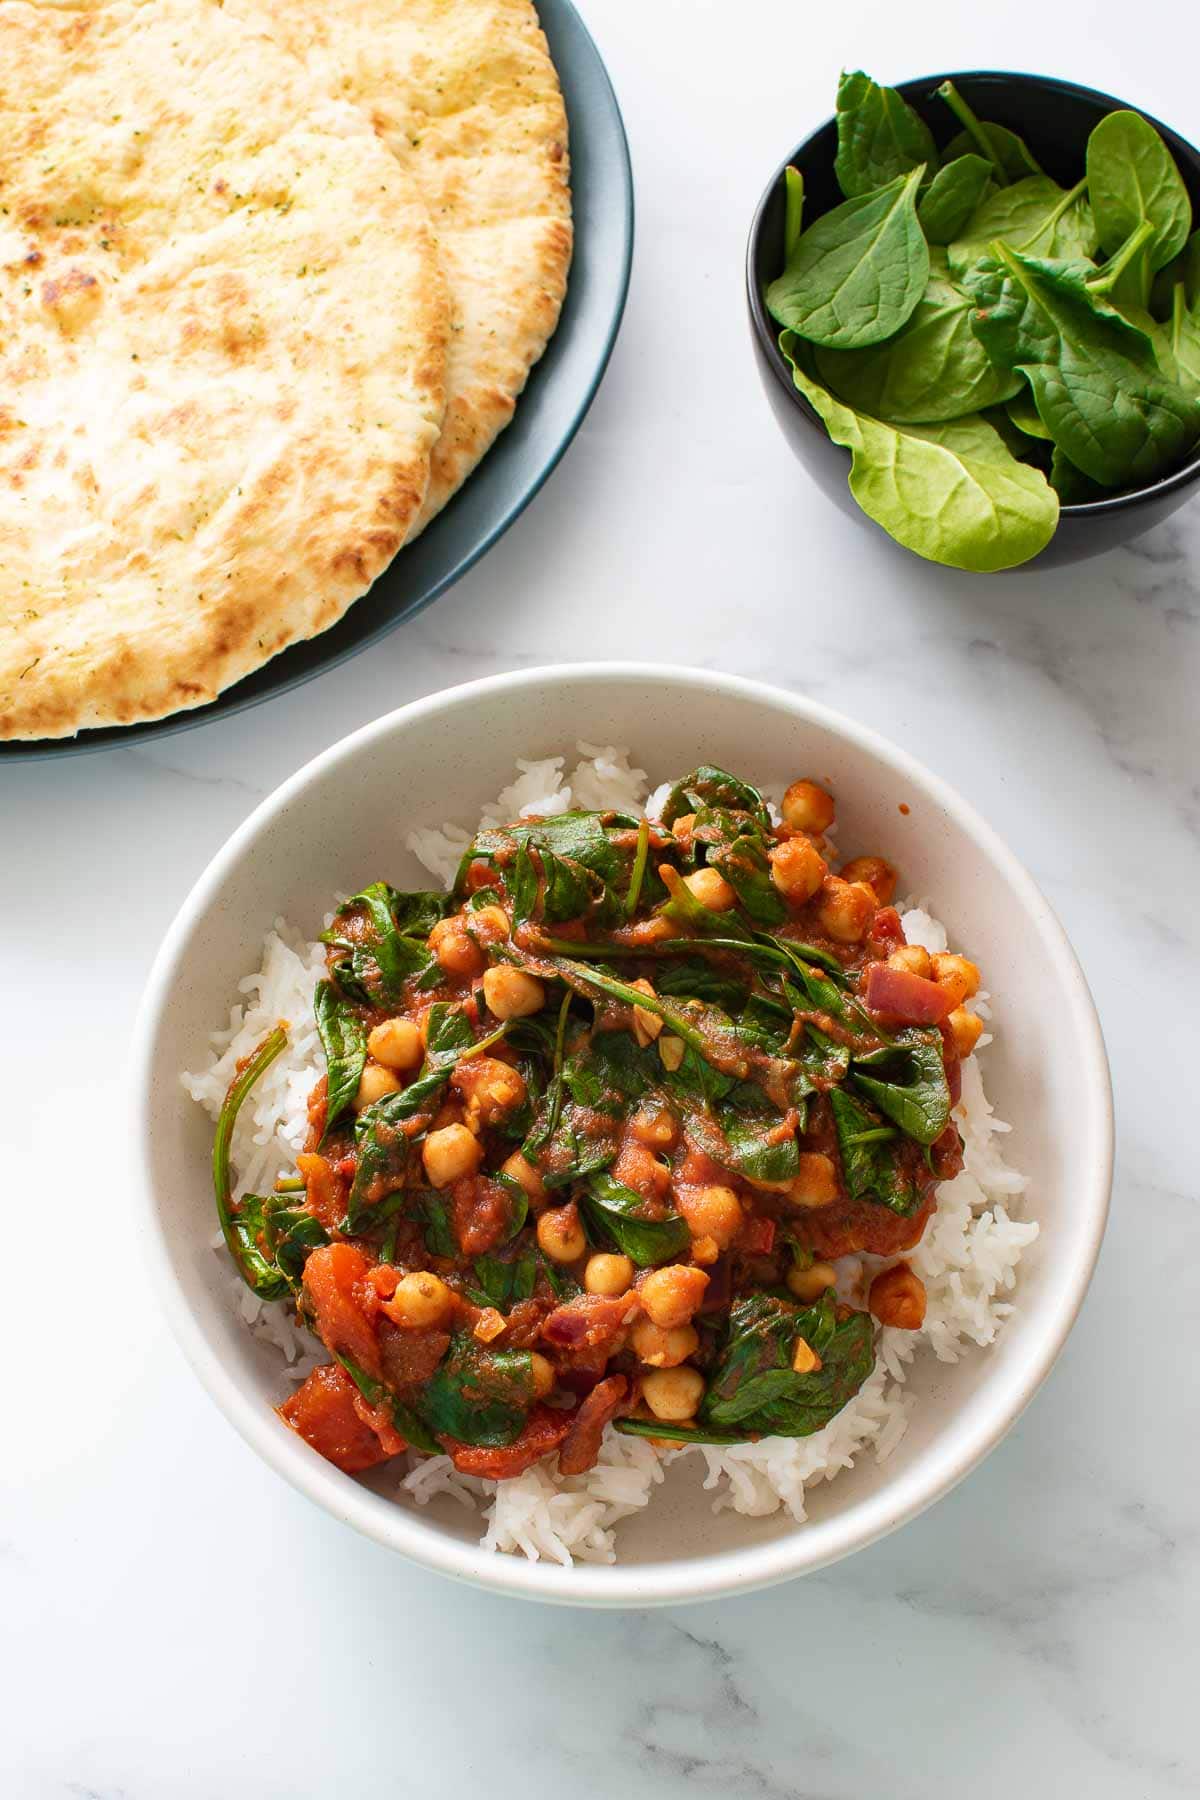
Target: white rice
(967, 1258)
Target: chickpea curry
(595, 1130)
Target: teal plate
(549, 413)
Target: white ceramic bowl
(341, 822)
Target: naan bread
(222, 361)
(465, 94)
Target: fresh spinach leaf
(907, 1081)
(935, 368)
(1095, 380)
(1035, 216)
(880, 137)
(952, 197)
(1133, 181)
(952, 493)
(871, 1164)
(478, 1395)
(1024, 414)
(858, 272)
(753, 1384)
(617, 1211)
(1072, 486)
(344, 1038)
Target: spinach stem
(271, 1047)
(793, 218)
(975, 129)
(1117, 264)
(638, 872)
(1178, 315)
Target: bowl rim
(767, 333)
(940, 1467)
(308, 658)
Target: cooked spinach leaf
(752, 1129)
(478, 1395)
(383, 935)
(753, 1384)
(907, 1081)
(505, 1280)
(382, 1144)
(871, 1164)
(618, 1213)
(709, 786)
(344, 1038)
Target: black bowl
(1055, 118)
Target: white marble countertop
(179, 1622)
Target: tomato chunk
(323, 1412)
(542, 1432)
(335, 1283)
(905, 996)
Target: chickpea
(912, 958)
(489, 925)
(511, 993)
(958, 975)
(456, 953)
(374, 1083)
(671, 1295)
(705, 1251)
(522, 1171)
(491, 1089)
(805, 1360)
(966, 1029)
(655, 1125)
(811, 1283)
(397, 1045)
(608, 1274)
(807, 807)
(714, 1212)
(711, 889)
(874, 873)
(646, 1025)
(845, 909)
(897, 1298)
(660, 1349)
(673, 1394)
(451, 1153)
(798, 868)
(815, 1182)
(670, 1052)
(560, 1233)
(420, 1300)
(543, 1375)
